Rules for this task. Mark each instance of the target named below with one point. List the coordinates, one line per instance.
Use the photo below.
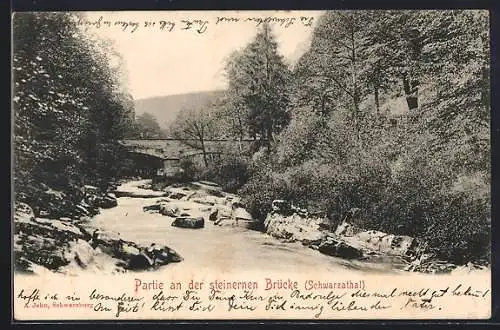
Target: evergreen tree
(147, 127)
(258, 83)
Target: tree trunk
(377, 101)
(355, 89)
(323, 104)
(240, 124)
(269, 135)
(203, 150)
(411, 90)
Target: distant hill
(165, 108)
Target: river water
(219, 249)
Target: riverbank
(143, 232)
(224, 244)
(292, 225)
(64, 238)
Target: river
(219, 249)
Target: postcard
(244, 165)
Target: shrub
(260, 191)
(400, 186)
(458, 227)
(231, 173)
(188, 171)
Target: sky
(162, 62)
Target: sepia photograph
(159, 146)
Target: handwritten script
(270, 298)
(198, 25)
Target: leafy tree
(147, 127)
(68, 105)
(425, 174)
(333, 74)
(258, 82)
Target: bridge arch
(144, 165)
(163, 156)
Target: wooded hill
(165, 108)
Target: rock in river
(169, 210)
(214, 212)
(152, 257)
(242, 214)
(194, 223)
(154, 207)
(338, 248)
(108, 201)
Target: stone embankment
(348, 241)
(61, 237)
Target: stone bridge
(163, 156)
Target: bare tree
(194, 126)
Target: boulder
(223, 211)
(154, 207)
(108, 201)
(279, 226)
(47, 252)
(213, 214)
(168, 210)
(23, 212)
(385, 243)
(203, 201)
(309, 236)
(81, 251)
(184, 222)
(152, 257)
(313, 243)
(346, 229)
(176, 195)
(107, 240)
(242, 214)
(338, 248)
(294, 227)
(56, 203)
(133, 256)
(167, 255)
(90, 190)
(82, 209)
(215, 192)
(140, 261)
(163, 255)
(380, 242)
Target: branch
(335, 81)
